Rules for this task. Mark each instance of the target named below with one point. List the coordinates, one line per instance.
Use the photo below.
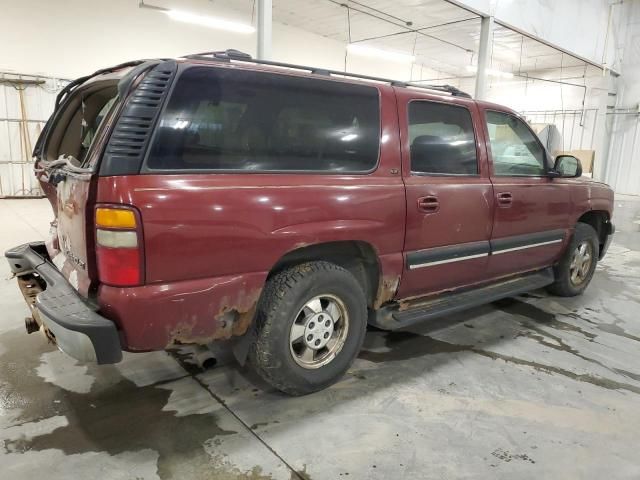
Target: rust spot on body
(386, 290)
(231, 320)
(244, 320)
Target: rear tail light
(118, 246)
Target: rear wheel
(310, 326)
(575, 270)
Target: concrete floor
(531, 387)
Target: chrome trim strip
(449, 260)
(522, 247)
(452, 253)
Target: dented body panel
(70, 245)
(153, 317)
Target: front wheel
(576, 267)
(310, 326)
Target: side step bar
(392, 318)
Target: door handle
(428, 204)
(505, 199)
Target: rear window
(223, 119)
(76, 127)
(442, 139)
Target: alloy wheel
(319, 331)
(581, 263)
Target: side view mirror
(566, 166)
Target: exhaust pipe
(204, 357)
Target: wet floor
(530, 387)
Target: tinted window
(514, 148)
(223, 119)
(442, 140)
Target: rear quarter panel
(206, 225)
(211, 239)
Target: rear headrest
(426, 140)
(433, 154)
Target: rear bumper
(198, 311)
(79, 331)
(610, 229)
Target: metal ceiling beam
(408, 23)
(407, 32)
(459, 4)
(405, 25)
(613, 72)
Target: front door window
(514, 148)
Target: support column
(484, 56)
(265, 27)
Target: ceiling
(441, 35)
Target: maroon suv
(216, 197)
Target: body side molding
(468, 251)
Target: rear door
(532, 210)
(448, 193)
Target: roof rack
(236, 55)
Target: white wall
(17, 137)
(581, 27)
(71, 38)
(577, 26)
(623, 122)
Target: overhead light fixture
(490, 71)
(367, 51)
(202, 20)
(211, 22)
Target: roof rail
(236, 55)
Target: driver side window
(514, 148)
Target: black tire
(282, 302)
(563, 285)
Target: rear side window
(223, 119)
(442, 139)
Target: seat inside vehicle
(434, 154)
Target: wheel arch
(359, 258)
(598, 219)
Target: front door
(449, 195)
(532, 210)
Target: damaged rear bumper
(73, 324)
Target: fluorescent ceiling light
(379, 53)
(211, 22)
(490, 71)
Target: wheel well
(358, 258)
(597, 219)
